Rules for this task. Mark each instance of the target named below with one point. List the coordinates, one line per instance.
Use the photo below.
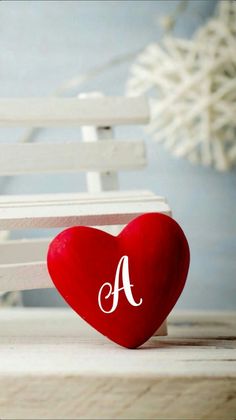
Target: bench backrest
(96, 116)
(99, 155)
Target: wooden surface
(43, 212)
(54, 112)
(27, 158)
(55, 366)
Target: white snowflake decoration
(194, 110)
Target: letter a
(124, 262)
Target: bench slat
(21, 158)
(14, 251)
(85, 196)
(24, 276)
(92, 213)
(52, 112)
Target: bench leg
(162, 330)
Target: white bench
(22, 262)
(53, 365)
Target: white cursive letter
(124, 262)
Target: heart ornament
(124, 286)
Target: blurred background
(46, 43)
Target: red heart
(82, 259)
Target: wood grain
(56, 367)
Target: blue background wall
(43, 43)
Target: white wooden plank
(77, 197)
(43, 342)
(26, 217)
(68, 199)
(47, 112)
(24, 276)
(14, 251)
(4, 234)
(26, 158)
(73, 199)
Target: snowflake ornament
(192, 85)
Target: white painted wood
(99, 181)
(162, 330)
(55, 366)
(4, 234)
(42, 342)
(48, 112)
(65, 198)
(14, 251)
(24, 276)
(21, 158)
(44, 215)
(69, 199)
(105, 180)
(75, 199)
